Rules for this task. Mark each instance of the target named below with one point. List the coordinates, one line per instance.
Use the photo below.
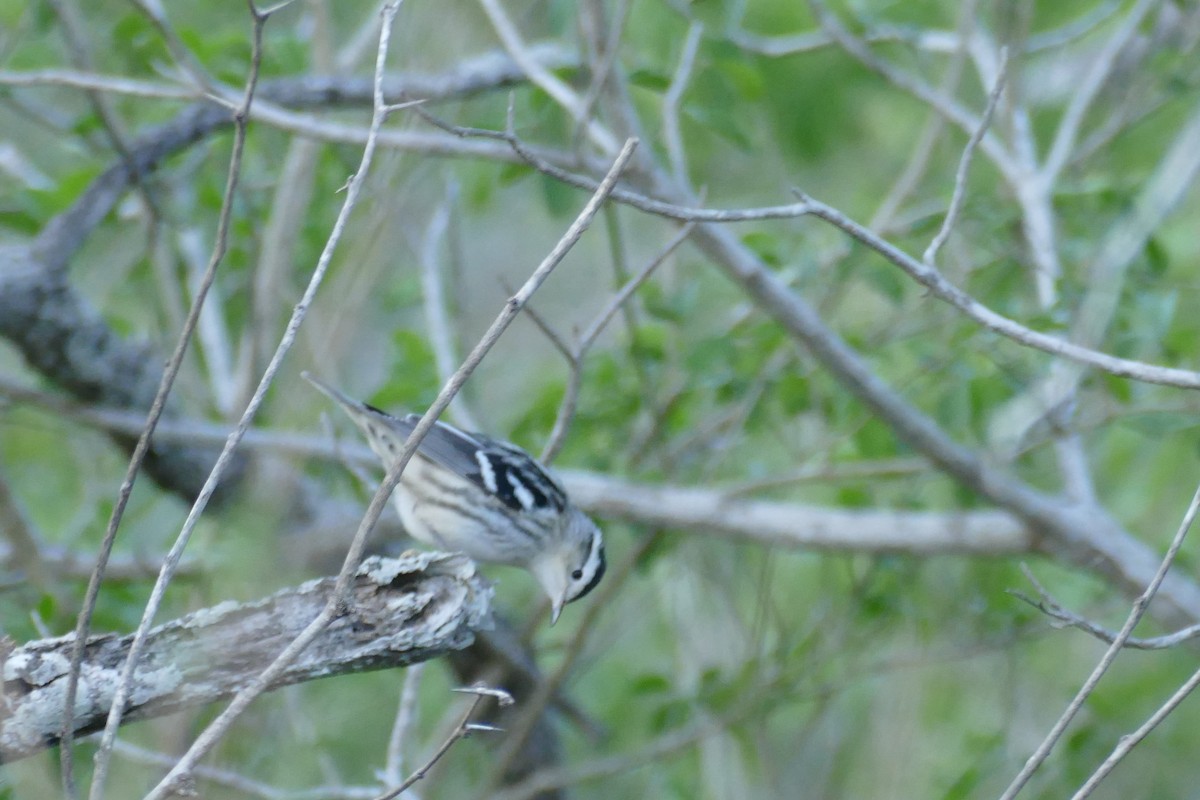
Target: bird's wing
(448, 446)
(503, 470)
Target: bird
(471, 493)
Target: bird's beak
(551, 573)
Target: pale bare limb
(437, 322)
(672, 137)
(96, 82)
(562, 94)
(716, 510)
(1085, 92)
(1167, 185)
(940, 287)
(216, 729)
(923, 273)
(406, 716)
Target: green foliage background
(820, 674)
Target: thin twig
(1132, 740)
(1051, 607)
(83, 622)
(1121, 245)
(242, 784)
(923, 273)
(576, 354)
(406, 715)
(512, 308)
(1135, 615)
(216, 729)
(618, 301)
(541, 77)
(943, 289)
(532, 709)
(464, 729)
(554, 337)
(437, 322)
(964, 164)
(670, 104)
(1048, 606)
(1093, 77)
(98, 82)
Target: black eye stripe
(601, 567)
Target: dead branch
(400, 611)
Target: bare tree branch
(216, 729)
(157, 407)
(464, 729)
(400, 611)
(1048, 605)
(1132, 740)
(964, 165)
(1171, 180)
(1140, 604)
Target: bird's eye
(577, 574)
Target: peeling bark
(400, 611)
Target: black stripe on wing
(502, 469)
(516, 479)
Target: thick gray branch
(401, 611)
(793, 525)
(64, 338)
(1085, 535)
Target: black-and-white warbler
(470, 493)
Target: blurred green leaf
(413, 384)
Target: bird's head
(571, 569)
